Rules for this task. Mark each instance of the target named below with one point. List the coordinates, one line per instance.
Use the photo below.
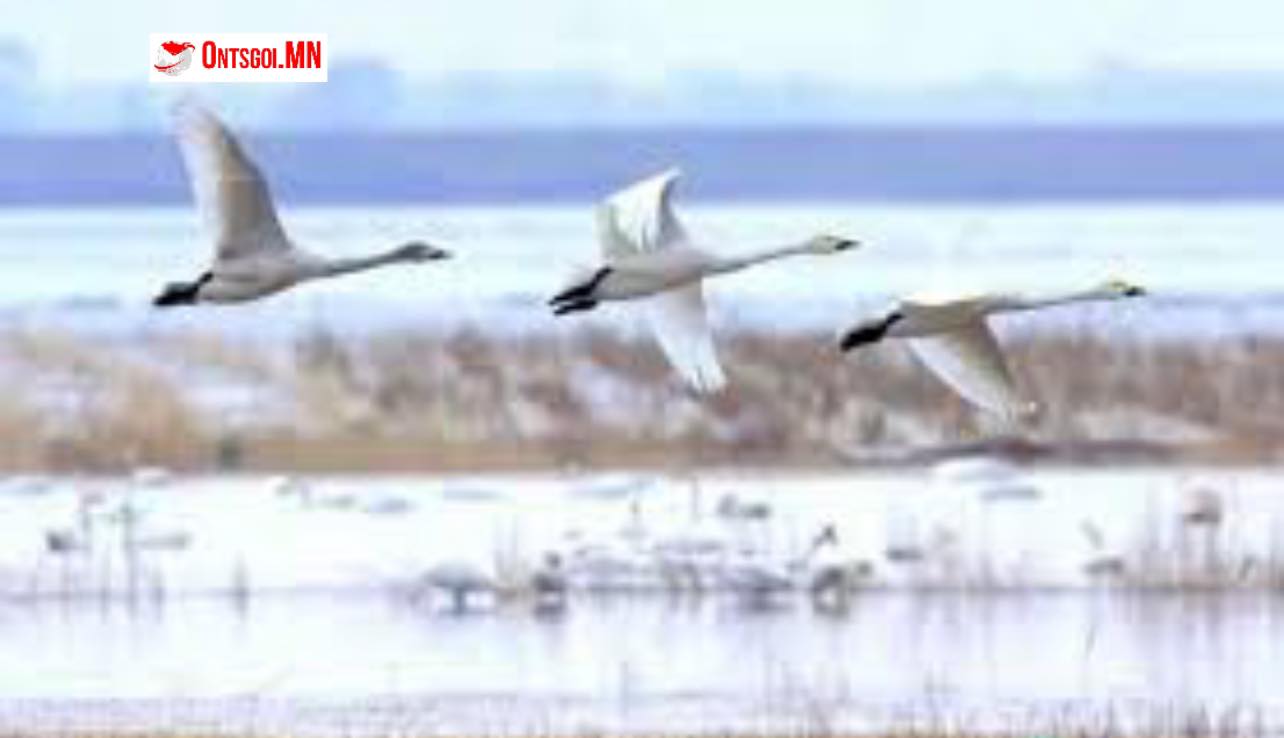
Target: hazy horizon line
(796, 163)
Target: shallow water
(368, 662)
(327, 637)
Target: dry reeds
(794, 398)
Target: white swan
(648, 254)
(253, 257)
(831, 572)
(459, 578)
(952, 337)
(754, 576)
(549, 581)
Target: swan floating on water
(460, 579)
(952, 337)
(648, 254)
(549, 582)
(831, 573)
(757, 578)
(253, 256)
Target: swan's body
(757, 582)
(831, 573)
(459, 578)
(253, 257)
(756, 577)
(549, 581)
(952, 336)
(1101, 562)
(648, 254)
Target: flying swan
(952, 336)
(253, 257)
(648, 254)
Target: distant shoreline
(1015, 164)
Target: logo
(173, 57)
(200, 58)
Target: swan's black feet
(581, 293)
(574, 294)
(176, 294)
(573, 306)
(866, 333)
(182, 293)
(861, 336)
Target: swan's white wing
(639, 218)
(230, 192)
(681, 326)
(970, 361)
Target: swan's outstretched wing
(681, 326)
(639, 218)
(230, 192)
(970, 361)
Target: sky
(891, 43)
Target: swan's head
(828, 535)
(1120, 288)
(826, 243)
(420, 251)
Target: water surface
(370, 662)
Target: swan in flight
(253, 257)
(952, 336)
(648, 254)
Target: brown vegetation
(408, 400)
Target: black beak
(846, 244)
(1134, 292)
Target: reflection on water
(630, 659)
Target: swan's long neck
(735, 263)
(337, 266)
(1034, 302)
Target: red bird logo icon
(173, 57)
